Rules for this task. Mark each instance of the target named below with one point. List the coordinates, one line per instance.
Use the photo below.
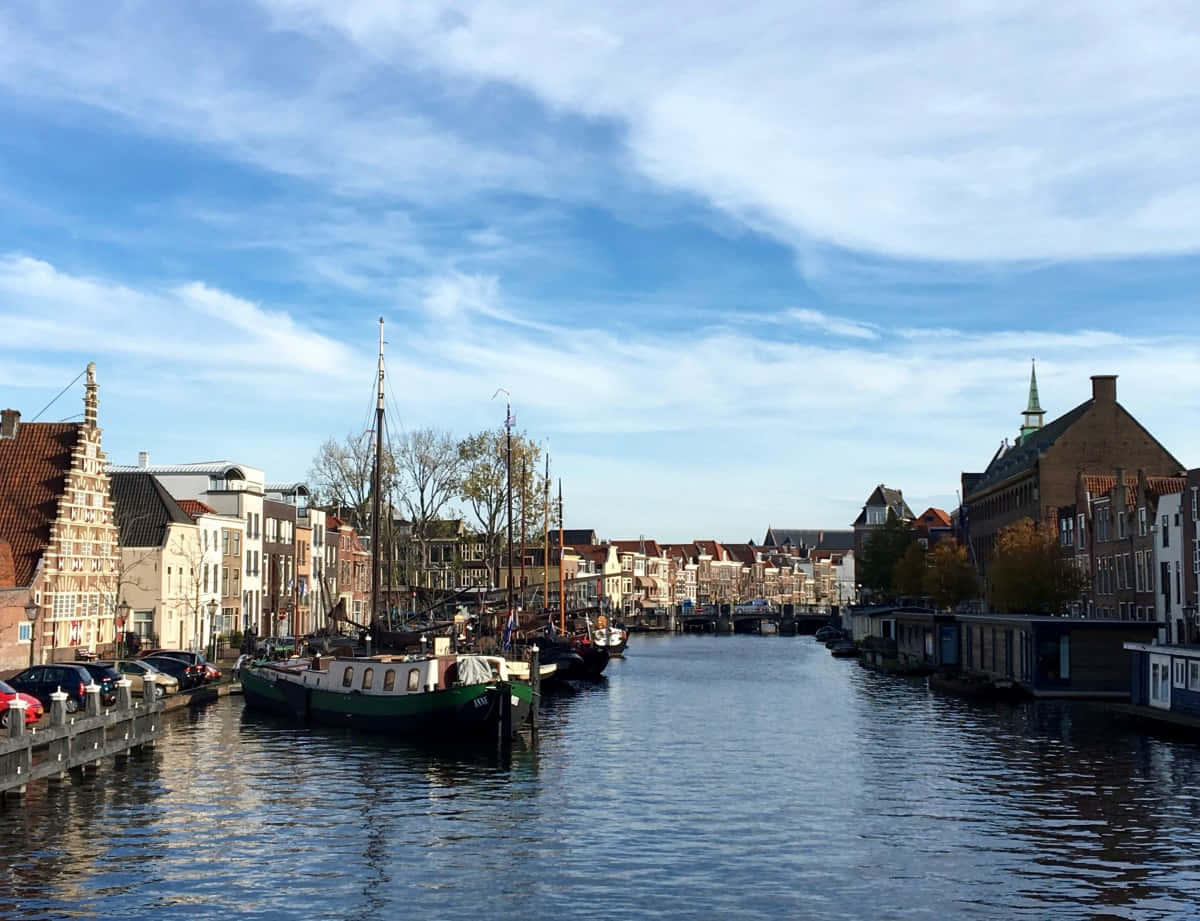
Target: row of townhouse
(178, 554)
(645, 576)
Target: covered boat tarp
(474, 670)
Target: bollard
(124, 695)
(16, 718)
(58, 708)
(92, 707)
(148, 687)
(59, 750)
(535, 685)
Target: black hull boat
(574, 660)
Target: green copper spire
(1032, 420)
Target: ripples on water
(731, 777)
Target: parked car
(211, 672)
(194, 659)
(43, 680)
(187, 675)
(139, 671)
(33, 706)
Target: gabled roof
(194, 508)
(799, 537)
(743, 553)
(681, 551)
(883, 496)
(647, 547)
(33, 473)
(935, 518)
(711, 548)
(1021, 456)
(144, 510)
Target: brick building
(1036, 476)
(58, 539)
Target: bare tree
(429, 468)
(341, 474)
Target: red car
(33, 706)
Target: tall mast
(508, 476)
(376, 480)
(523, 478)
(546, 536)
(562, 577)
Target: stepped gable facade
(1036, 476)
(58, 538)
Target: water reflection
(708, 777)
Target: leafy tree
(950, 577)
(908, 572)
(882, 550)
(1031, 573)
(484, 487)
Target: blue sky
(735, 269)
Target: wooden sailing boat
(429, 693)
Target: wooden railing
(79, 741)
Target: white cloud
(835, 326)
(985, 131)
(781, 428)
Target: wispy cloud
(835, 326)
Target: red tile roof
(33, 473)
(635, 546)
(935, 518)
(194, 508)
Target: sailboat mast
(508, 477)
(546, 538)
(562, 576)
(376, 481)
(523, 534)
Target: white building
(229, 489)
(1169, 556)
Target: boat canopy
(474, 670)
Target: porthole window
(347, 677)
(368, 678)
(389, 680)
(414, 679)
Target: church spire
(1032, 419)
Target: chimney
(143, 459)
(10, 421)
(1104, 388)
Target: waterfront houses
(58, 537)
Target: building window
(1141, 521)
(1166, 531)
(1193, 675)
(1179, 673)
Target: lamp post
(122, 612)
(31, 612)
(212, 634)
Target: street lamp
(212, 617)
(122, 612)
(31, 612)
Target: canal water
(707, 777)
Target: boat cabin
(1052, 656)
(399, 674)
(1165, 679)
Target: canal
(708, 777)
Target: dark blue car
(43, 680)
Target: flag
(509, 628)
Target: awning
(644, 582)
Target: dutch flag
(509, 628)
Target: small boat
(613, 638)
(843, 649)
(420, 695)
